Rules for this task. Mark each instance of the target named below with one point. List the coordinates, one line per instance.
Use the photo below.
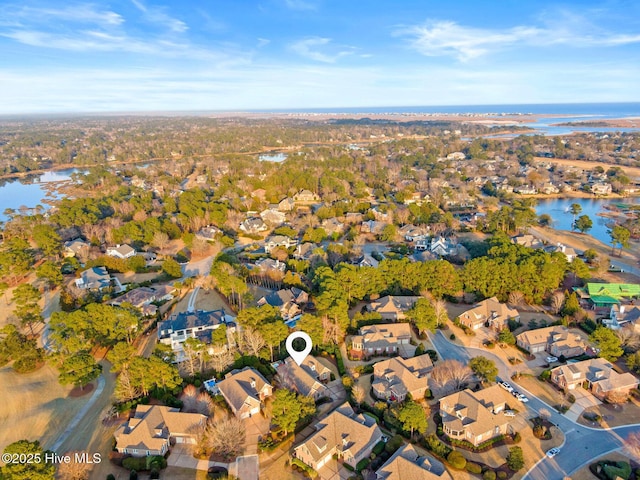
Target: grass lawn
(614, 415)
(585, 474)
(36, 407)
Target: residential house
(556, 340)
(372, 226)
(366, 260)
(286, 204)
(143, 298)
(569, 252)
(407, 464)
(270, 265)
(95, 278)
(475, 416)
(526, 190)
(260, 194)
(416, 197)
(396, 378)
(253, 225)
(121, 251)
(198, 324)
(348, 436)
(393, 307)
(245, 391)
(383, 339)
(528, 241)
(601, 188)
(153, 428)
(623, 316)
(443, 247)
(491, 312)
(597, 375)
(273, 216)
(76, 248)
(289, 301)
(307, 379)
(549, 189)
(210, 232)
(412, 233)
(333, 226)
(304, 251)
(607, 294)
(305, 197)
(279, 241)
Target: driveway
(247, 467)
(181, 457)
(256, 427)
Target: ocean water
(570, 110)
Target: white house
(121, 251)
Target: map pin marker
(299, 357)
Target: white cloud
(448, 38)
(158, 15)
(263, 42)
(320, 49)
(301, 4)
(17, 15)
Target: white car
(522, 398)
(553, 452)
(551, 359)
(509, 413)
(506, 386)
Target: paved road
(583, 443)
(201, 267)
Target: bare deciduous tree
(516, 298)
(440, 307)
(632, 445)
(358, 394)
(74, 470)
(220, 360)
(160, 240)
(557, 302)
(450, 376)
(616, 397)
(225, 437)
(189, 398)
(629, 339)
(250, 341)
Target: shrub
(393, 444)
(362, 464)
(545, 375)
(436, 446)
(135, 463)
(133, 475)
(473, 468)
(456, 460)
(502, 475)
(297, 464)
(379, 448)
(452, 336)
(619, 469)
(111, 476)
(489, 475)
(515, 459)
(571, 398)
(155, 475)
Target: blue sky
(144, 55)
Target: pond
(558, 209)
(18, 193)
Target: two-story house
(348, 436)
(245, 391)
(396, 378)
(383, 339)
(491, 312)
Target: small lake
(273, 157)
(558, 209)
(30, 191)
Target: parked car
(506, 386)
(515, 393)
(615, 268)
(522, 398)
(551, 359)
(509, 413)
(553, 452)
